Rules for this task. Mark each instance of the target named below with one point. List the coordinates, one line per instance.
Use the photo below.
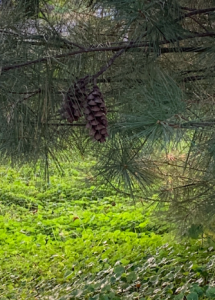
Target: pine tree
(152, 65)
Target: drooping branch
(190, 125)
(102, 49)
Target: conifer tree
(130, 81)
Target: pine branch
(187, 8)
(67, 124)
(212, 68)
(178, 166)
(190, 124)
(101, 49)
(182, 49)
(199, 23)
(197, 77)
(110, 62)
(24, 93)
(195, 12)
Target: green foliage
(195, 231)
(73, 239)
(30, 7)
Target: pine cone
(73, 105)
(95, 115)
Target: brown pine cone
(95, 115)
(73, 105)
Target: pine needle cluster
(154, 63)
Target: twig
(67, 124)
(195, 12)
(187, 8)
(110, 62)
(190, 125)
(23, 93)
(31, 94)
(202, 26)
(19, 101)
(197, 77)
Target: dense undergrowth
(71, 239)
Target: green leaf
(210, 292)
(118, 270)
(104, 297)
(77, 293)
(94, 298)
(192, 296)
(195, 288)
(179, 296)
(131, 277)
(106, 288)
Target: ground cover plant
(70, 239)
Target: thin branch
(180, 187)
(187, 8)
(183, 49)
(197, 77)
(135, 196)
(199, 70)
(104, 68)
(198, 124)
(23, 93)
(31, 95)
(190, 125)
(199, 23)
(110, 62)
(179, 166)
(102, 49)
(67, 124)
(195, 12)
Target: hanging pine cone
(72, 107)
(95, 115)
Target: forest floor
(71, 239)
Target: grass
(73, 239)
